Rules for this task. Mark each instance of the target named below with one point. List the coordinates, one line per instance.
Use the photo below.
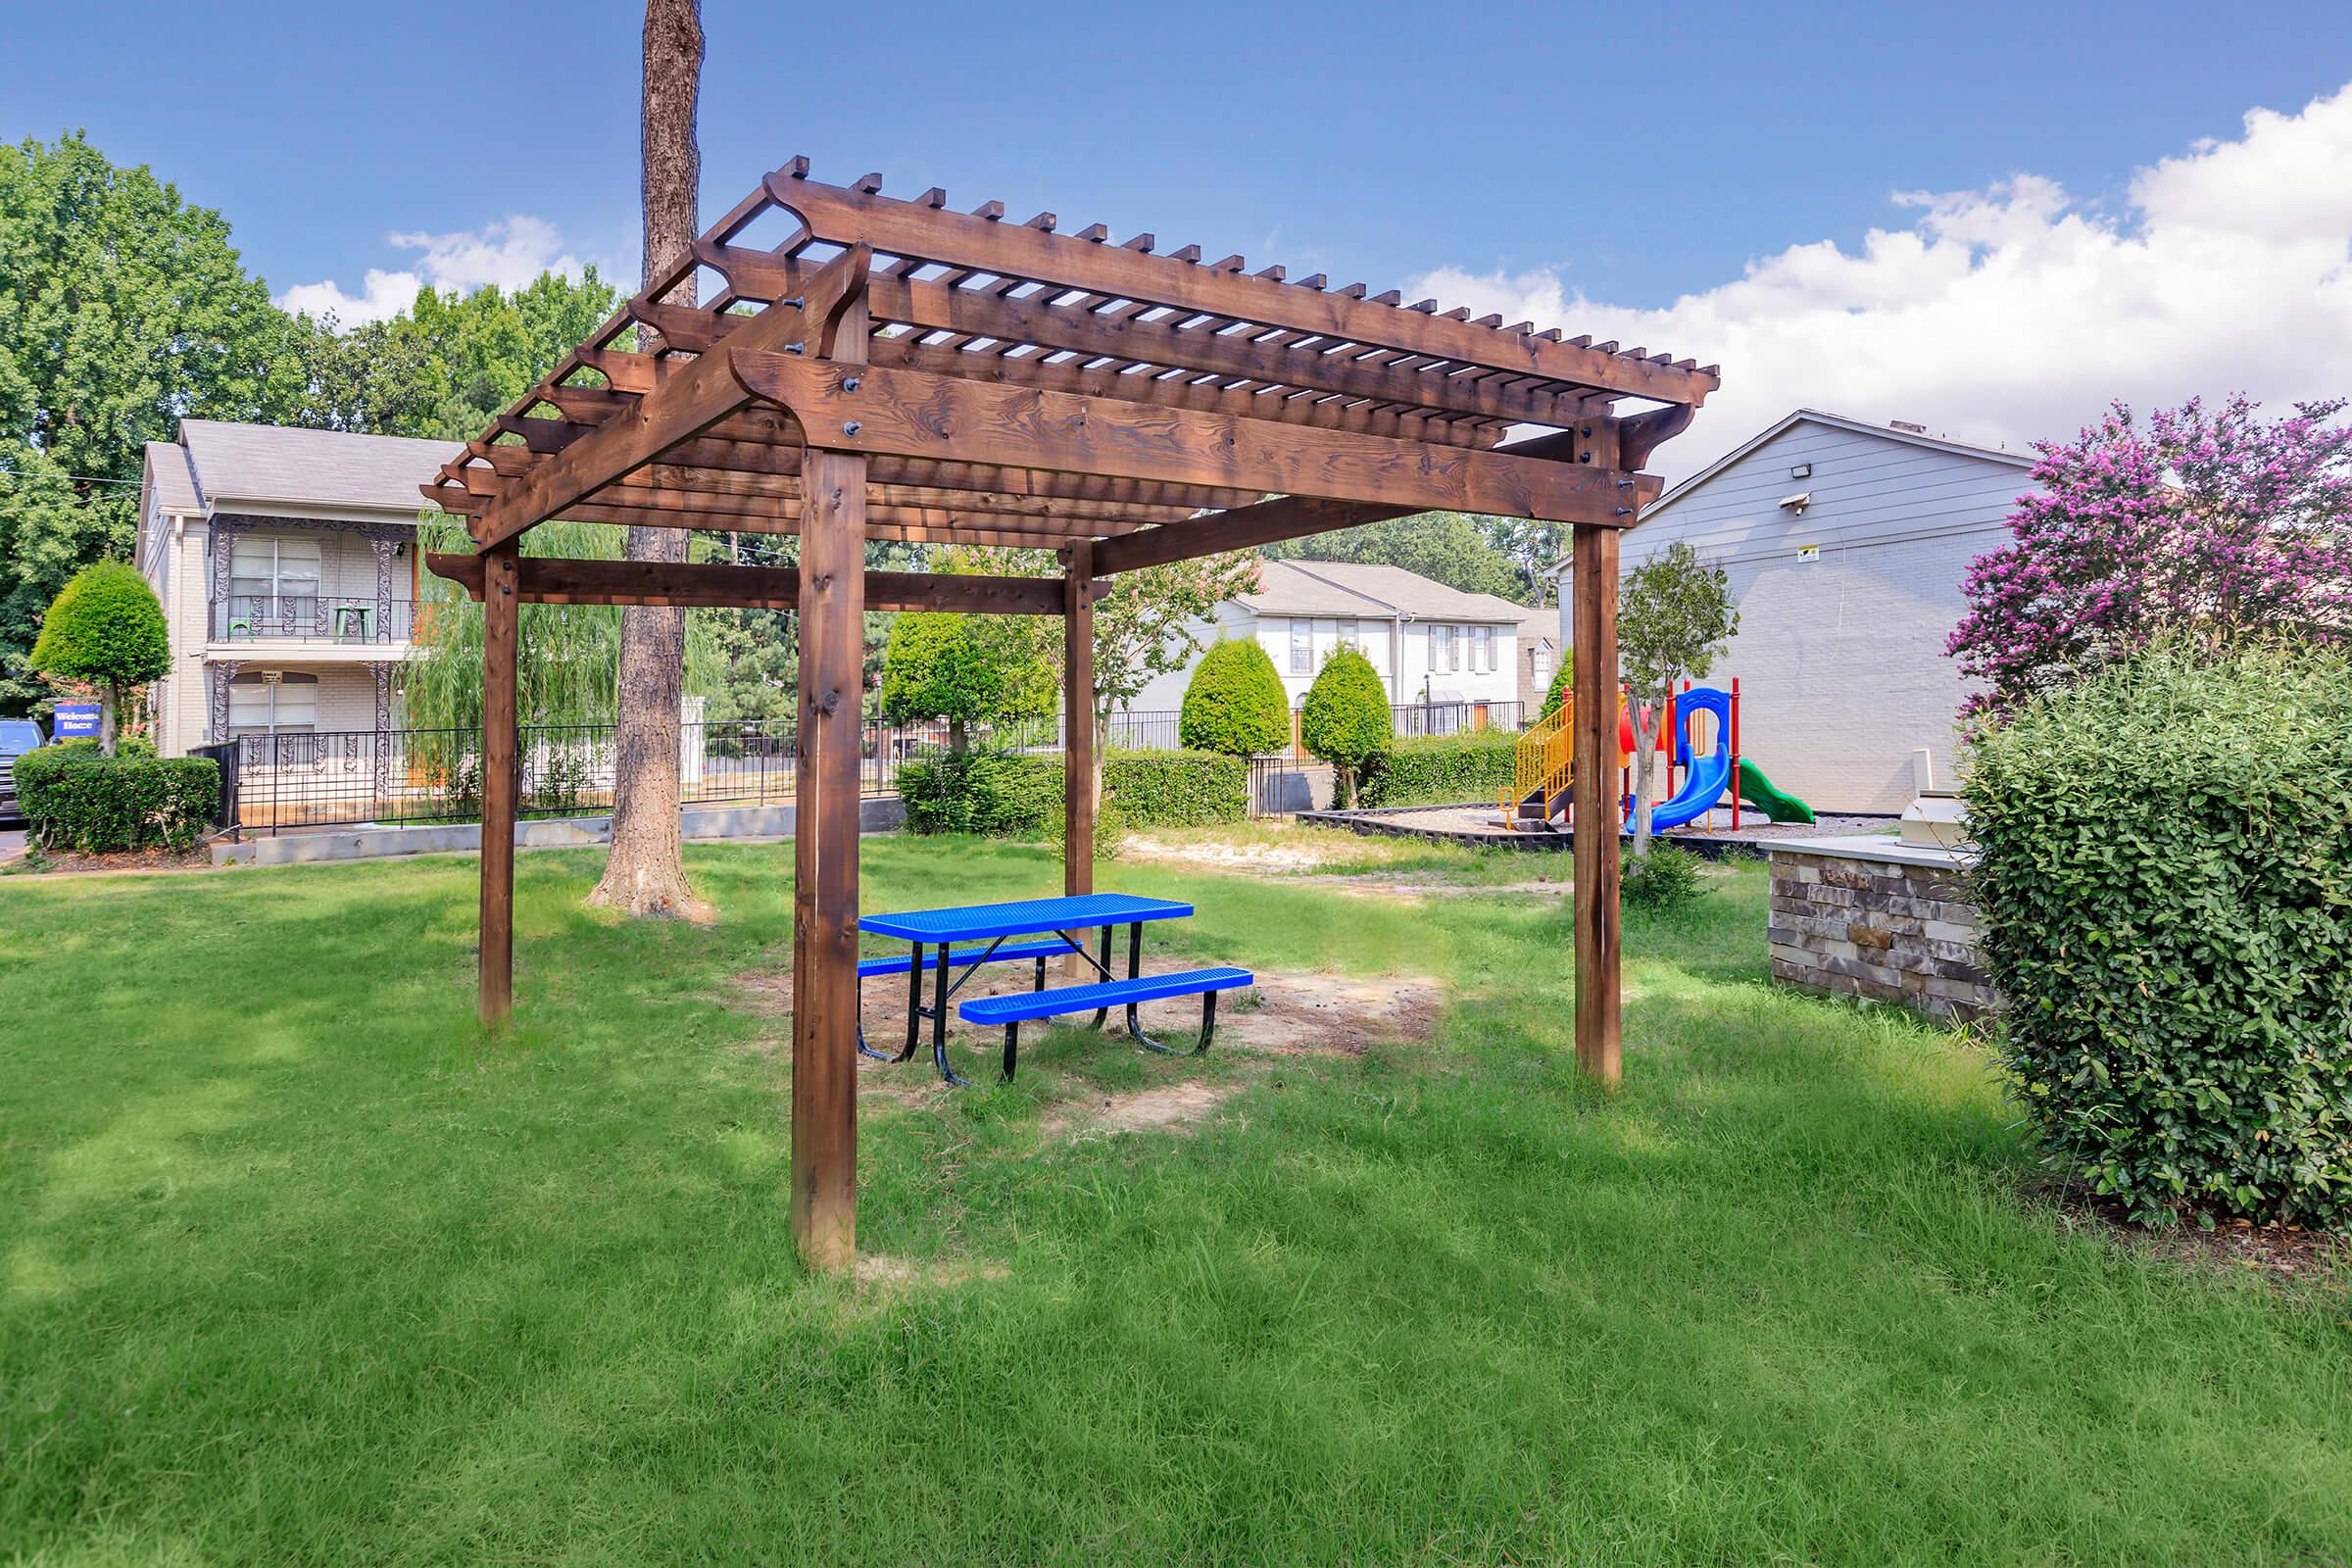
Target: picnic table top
(982, 922)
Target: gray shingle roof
(175, 486)
(272, 462)
(1359, 588)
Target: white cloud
(509, 254)
(2014, 313)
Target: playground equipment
(1711, 778)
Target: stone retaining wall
(1877, 918)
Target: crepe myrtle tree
(106, 628)
(2204, 526)
(1674, 616)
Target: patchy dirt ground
(47, 863)
(1287, 1014)
(2279, 1254)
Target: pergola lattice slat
(896, 371)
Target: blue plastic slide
(1709, 775)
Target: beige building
(288, 565)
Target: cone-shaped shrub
(1346, 720)
(1234, 702)
(104, 626)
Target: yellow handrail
(1543, 759)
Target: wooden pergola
(897, 371)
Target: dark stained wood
(1595, 817)
(501, 622)
(1078, 732)
(682, 406)
(827, 809)
(720, 585)
(911, 414)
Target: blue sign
(74, 718)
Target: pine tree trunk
(646, 873)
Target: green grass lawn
(300, 1267)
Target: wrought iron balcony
(311, 619)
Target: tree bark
(1646, 751)
(646, 872)
(109, 718)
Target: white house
(286, 562)
(1845, 543)
(1430, 643)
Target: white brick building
(1427, 642)
(1845, 544)
(287, 563)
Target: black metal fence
(311, 618)
(271, 783)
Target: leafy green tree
(1529, 546)
(105, 627)
(1674, 616)
(967, 669)
(122, 310)
(1235, 702)
(1443, 546)
(1345, 720)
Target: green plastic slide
(1757, 791)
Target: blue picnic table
(1062, 925)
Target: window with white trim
(276, 569)
(1445, 651)
(274, 704)
(1482, 649)
(1302, 645)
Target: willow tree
(646, 872)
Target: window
(1539, 662)
(1444, 653)
(1302, 647)
(1482, 649)
(272, 569)
(275, 706)
(1351, 634)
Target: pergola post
(1078, 731)
(1592, 795)
(502, 611)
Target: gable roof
(175, 485)
(1363, 588)
(282, 465)
(1885, 432)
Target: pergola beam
(723, 585)
(915, 414)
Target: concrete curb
(877, 814)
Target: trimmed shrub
(1346, 720)
(1234, 702)
(104, 626)
(1003, 795)
(1441, 769)
(1176, 789)
(2165, 888)
(78, 800)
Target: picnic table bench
(944, 930)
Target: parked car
(17, 737)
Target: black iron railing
(311, 618)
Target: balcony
(312, 618)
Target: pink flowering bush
(2209, 526)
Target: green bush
(1666, 878)
(1176, 789)
(106, 626)
(1441, 769)
(1234, 702)
(1004, 796)
(2165, 888)
(78, 800)
(1345, 720)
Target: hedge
(1345, 720)
(1001, 795)
(2165, 888)
(78, 800)
(1441, 769)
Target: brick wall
(1889, 921)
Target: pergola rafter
(894, 369)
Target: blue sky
(1531, 154)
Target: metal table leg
(1134, 967)
(939, 1019)
(1103, 964)
(914, 1007)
